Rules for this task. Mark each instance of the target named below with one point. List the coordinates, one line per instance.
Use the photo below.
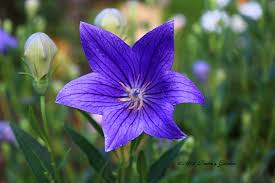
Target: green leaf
(26, 74)
(142, 166)
(209, 176)
(97, 161)
(92, 122)
(135, 143)
(64, 160)
(37, 155)
(159, 167)
(100, 175)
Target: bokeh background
(226, 47)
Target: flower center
(135, 92)
(134, 97)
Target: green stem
(129, 168)
(49, 145)
(123, 165)
(43, 113)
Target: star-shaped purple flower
(133, 88)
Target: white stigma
(134, 96)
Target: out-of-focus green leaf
(96, 159)
(136, 143)
(267, 160)
(37, 156)
(92, 122)
(159, 167)
(142, 166)
(209, 176)
(100, 176)
(64, 160)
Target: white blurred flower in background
(222, 3)
(251, 9)
(73, 70)
(97, 118)
(214, 21)
(238, 24)
(57, 85)
(179, 21)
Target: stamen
(125, 99)
(137, 80)
(140, 104)
(126, 88)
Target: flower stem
(47, 141)
(123, 165)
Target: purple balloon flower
(6, 133)
(133, 88)
(6, 41)
(201, 70)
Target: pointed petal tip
(57, 101)
(84, 27)
(81, 24)
(203, 103)
(107, 149)
(182, 136)
(110, 148)
(202, 99)
(169, 23)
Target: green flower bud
(111, 19)
(31, 7)
(7, 25)
(39, 54)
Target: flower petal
(92, 93)
(120, 127)
(176, 88)
(155, 51)
(158, 121)
(107, 54)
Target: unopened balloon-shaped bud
(31, 7)
(7, 25)
(112, 20)
(39, 54)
